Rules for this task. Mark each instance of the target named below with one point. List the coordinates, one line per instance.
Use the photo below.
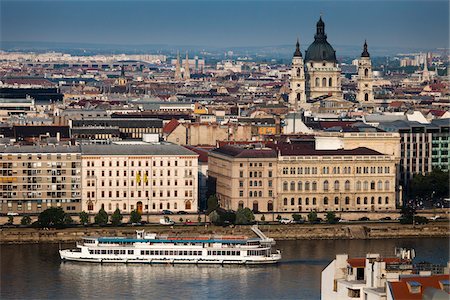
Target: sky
(219, 23)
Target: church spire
(297, 52)
(320, 32)
(187, 74)
(365, 53)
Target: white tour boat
(151, 248)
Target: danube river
(35, 272)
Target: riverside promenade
(278, 232)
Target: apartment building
(144, 177)
(34, 178)
(296, 177)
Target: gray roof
(384, 118)
(40, 149)
(136, 149)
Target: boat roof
(174, 240)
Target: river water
(35, 272)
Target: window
(386, 200)
(347, 200)
(314, 186)
(292, 186)
(299, 186)
(386, 185)
(358, 200)
(270, 205)
(292, 201)
(325, 201)
(366, 185)
(325, 185)
(307, 186)
(380, 185)
(336, 200)
(372, 185)
(347, 185)
(285, 202)
(336, 185)
(285, 186)
(358, 185)
(241, 205)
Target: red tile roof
(357, 262)
(169, 127)
(400, 290)
(437, 113)
(202, 153)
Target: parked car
(386, 219)
(167, 212)
(285, 221)
(364, 219)
(182, 212)
(166, 221)
(11, 213)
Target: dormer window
(445, 285)
(414, 287)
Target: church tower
(297, 97)
(365, 79)
(187, 73)
(178, 75)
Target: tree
(213, 204)
(331, 217)
(135, 217)
(407, 215)
(101, 218)
(434, 185)
(116, 218)
(26, 220)
(199, 219)
(312, 216)
(68, 219)
(263, 218)
(84, 218)
(278, 217)
(214, 217)
(244, 216)
(181, 220)
(296, 217)
(52, 217)
(11, 219)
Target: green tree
(52, 217)
(432, 185)
(312, 216)
(263, 218)
(296, 217)
(68, 219)
(213, 204)
(101, 218)
(181, 220)
(331, 217)
(135, 217)
(278, 217)
(26, 220)
(407, 215)
(84, 218)
(214, 217)
(11, 219)
(116, 218)
(199, 219)
(244, 216)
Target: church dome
(320, 49)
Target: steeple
(297, 52)
(178, 67)
(320, 32)
(187, 74)
(365, 53)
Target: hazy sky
(398, 23)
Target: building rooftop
(243, 152)
(404, 289)
(140, 149)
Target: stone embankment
(278, 232)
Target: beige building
(142, 177)
(34, 178)
(296, 177)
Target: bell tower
(297, 97)
(365, 78)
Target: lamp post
(148, 209)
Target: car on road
(285, 221)
(11, 213)
(167, 212)
(364, 219)
(182, 212)
(166, 221)
(386, 219)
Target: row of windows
(222, 253)
(187, 206)
(139, 194)
(170, 252)
(115, 252)
(187, 163)
(326, 201)
(39, 156)
(292, 186)
(139, 182)
(334, 170)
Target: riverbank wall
(278, 232)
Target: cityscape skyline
(226, 24)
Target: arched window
(347, 200)
(298, 97)
(366, 97)
(270, 205)
(386, 200)
(347, 185)
(372, 200)
(307, 186)
(292, 186)
(336, 200)
(325, 201)
(250, 194)
(365, 200)
(324, 82)
(168, 205)
(285, 186)
(314, 186)
(314, 202)
(330, 82)
(380, 185)
(260, 193)
(307, 201)
(298, 72)
(358, 200)
(366, 72)
(386, 185)
(317, 82)
(372, 185)
(380, 201)
(325, 185)
(90, 205)
(358, 185)
(292, 201)
(241, 205)
(336, 185)
(285, 201)
(255, 206)
(366, 185)
(299, 201)
(299, 186)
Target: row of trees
(56, 217)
